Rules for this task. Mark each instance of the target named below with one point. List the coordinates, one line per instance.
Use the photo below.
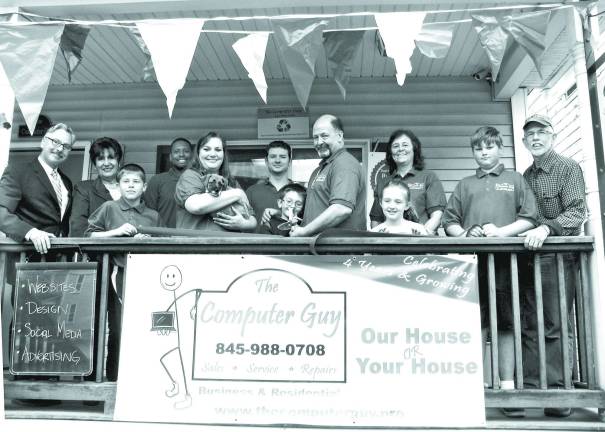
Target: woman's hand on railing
(235, 222)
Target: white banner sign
(310, 340)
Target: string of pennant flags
(28, 48)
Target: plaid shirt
(558, 185)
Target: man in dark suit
(35, 198)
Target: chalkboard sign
(53, 323)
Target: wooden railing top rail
(258, 244)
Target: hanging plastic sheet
(72, 44)
(28, 55)
(299, 41)
(341, 48)
(251, 52)
(399, 30)
(493, 39)
(148, 72)
(434, 40)
(529, 31)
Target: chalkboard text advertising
(53, 323)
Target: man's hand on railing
(475, 231)
(40, 239)
(491, 230)
(534, 238)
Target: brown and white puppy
(214, 184)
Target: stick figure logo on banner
(166, 322)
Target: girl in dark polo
(404, 159)
(106, 156)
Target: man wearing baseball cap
(558, 184)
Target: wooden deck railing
(580, 387)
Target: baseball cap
(540, 119)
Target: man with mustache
(337, 189)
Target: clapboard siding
(561, 104)
(443, 113)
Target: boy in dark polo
(493, 203)
(121, 218)
(290, 203)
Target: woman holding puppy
(201, 202)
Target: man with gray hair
(558, 184)
(35, 197)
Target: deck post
(589, 138)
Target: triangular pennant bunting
(434, 40)
(171, 43)
(341, 48)
(251, 51)
(399, 30)
(299, 41)
(28, 54)
(72, 44)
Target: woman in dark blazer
(106, 155)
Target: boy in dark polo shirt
(121, 218)
(493, 203)
(291, 203)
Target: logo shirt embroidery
(416, 186)
(319, 178)
(505, 187)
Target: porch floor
(21, 418)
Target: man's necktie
(57, 186)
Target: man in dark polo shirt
(265, 193)
(337, 191)
(558, 184)
(159, 195)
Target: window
(247, 159)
